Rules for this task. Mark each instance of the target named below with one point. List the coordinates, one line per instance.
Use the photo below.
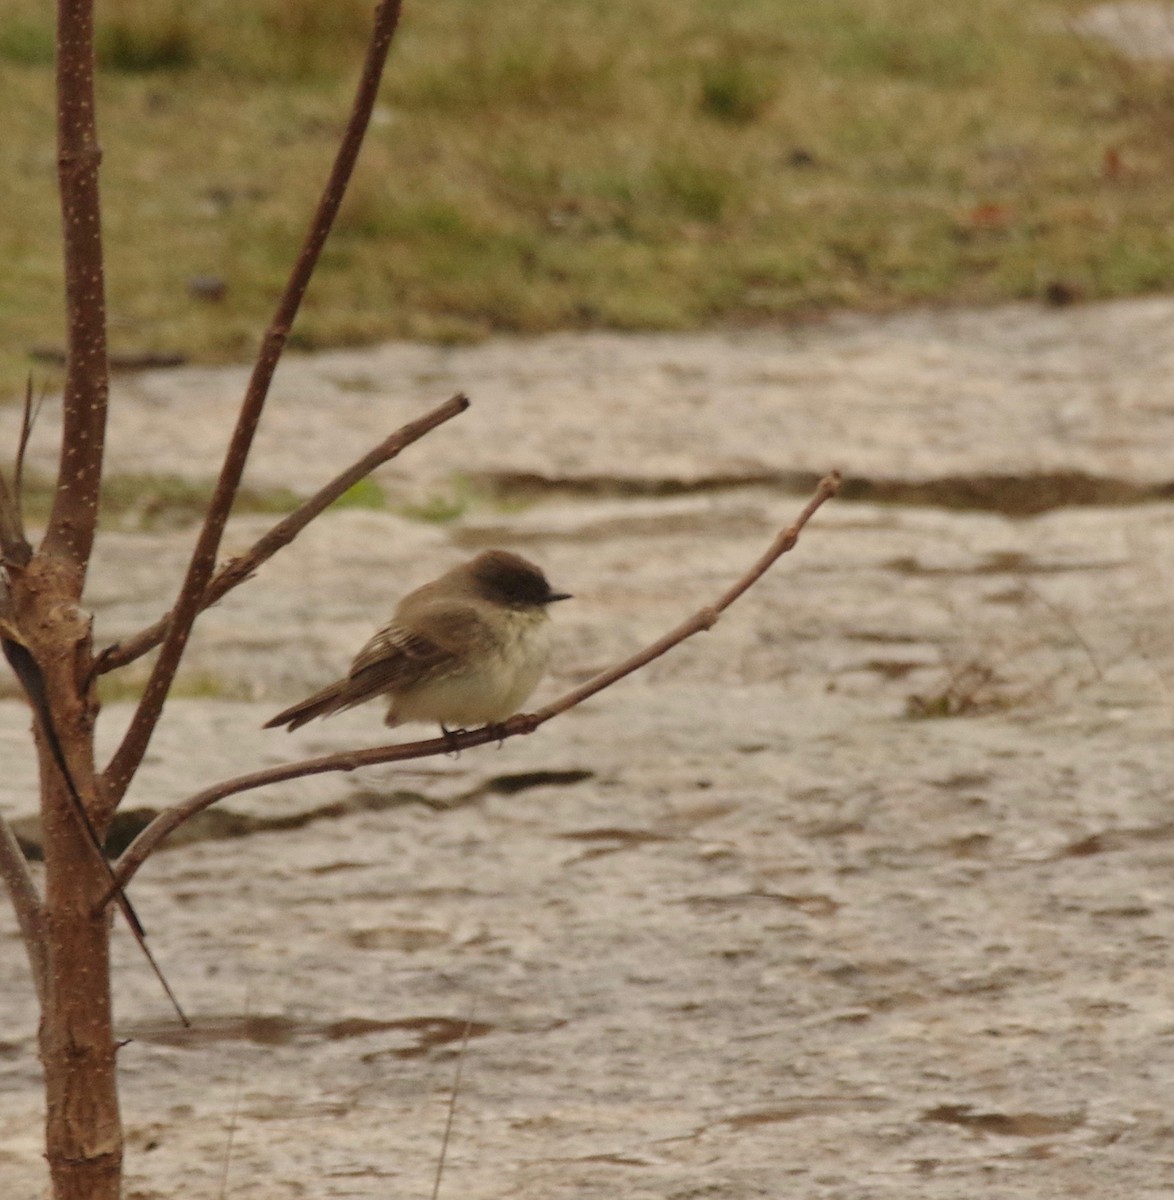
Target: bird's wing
(397, 657)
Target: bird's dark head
(506, 578)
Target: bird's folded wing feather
(397, 657)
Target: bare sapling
(45, 630)
(46, 635)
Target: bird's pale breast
(494, 687)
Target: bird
(465, 650)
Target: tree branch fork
(15, 553)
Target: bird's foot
(451, 736)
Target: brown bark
(74, 519)
(83, 1131)
(83, 1128)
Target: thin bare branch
(351, 760)
(129, 754)
(704, 618)
(22, 891)
(239, 569)
(1065, 618)
(74, 518)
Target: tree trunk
(83, 1129)
(76, 1035)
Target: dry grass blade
(452, 1101)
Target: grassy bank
(538, 164)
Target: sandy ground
(749, 925)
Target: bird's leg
(450, 736)
(498, 730)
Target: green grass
(136, 502)
(542, 164)
(189, 685)
(445, 507)
(364, 494)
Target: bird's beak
(558, 596)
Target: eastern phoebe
(466, 649)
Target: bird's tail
(320, 704)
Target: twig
(14, 870)
(1065, 619)
(351, 760)
(74, 518)
(239, 569)
(129, 754)
(237, 1089)
(704, 618)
